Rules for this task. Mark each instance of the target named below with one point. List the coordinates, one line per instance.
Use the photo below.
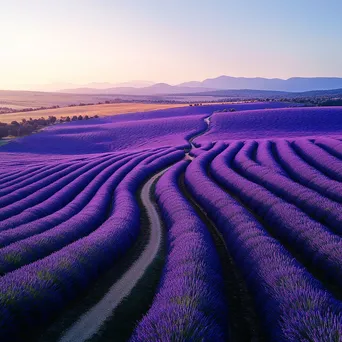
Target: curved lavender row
(21, 174)
(53, 176)
(305, 174)
(310, 239)
(36, 292)
(5, 172)
(43, 216)
(87, 220)
(58, 200)
(38, 177)
(11, 162)
(27, 171)
(311, 202)
(8, 173)
(152, 164)
(72, 208)
(30, 181)
(265, 157)
(206, 145)
(40, 191)
(190, 304)
(292, 305)
(15, 161)
(26, 178)
(41, 172)
(195, 152)
(333, 146)
(319, 158)
(157, 154)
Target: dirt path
(187, 152)
(207, 121)
(91, 321)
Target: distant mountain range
(295, 84)
(155, 89)
(274, 94)
(56, 87)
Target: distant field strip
(101, 110)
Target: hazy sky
(81, 41)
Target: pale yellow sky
(71, 41)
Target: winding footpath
(90, 323)
(207, 121)
(191, 139)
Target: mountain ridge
(293, 84)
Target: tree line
(7, 110)
(25, 127)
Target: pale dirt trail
(91, 321)
(187, 153)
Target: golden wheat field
(101, 110)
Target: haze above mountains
(295, 84)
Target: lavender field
(184, 224)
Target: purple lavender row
(333, 146)
(40, 176)
(206, 146)
(307, 175)
(58, 200)
(52, 175)
(292, 305)
(26, 172)
(23, 174)
(21, 186)
(195, 152)
(319, 158)
(11, 175)
(36, 292)
(311, 202)
(29, 178)
(20, 173)
(29, 158)
(42, 190)
(150, 165)
(313, 241)
(190, 304)
(157, 153)
(86, 221)
(35, 247)
(264, 156)
(36, 226)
